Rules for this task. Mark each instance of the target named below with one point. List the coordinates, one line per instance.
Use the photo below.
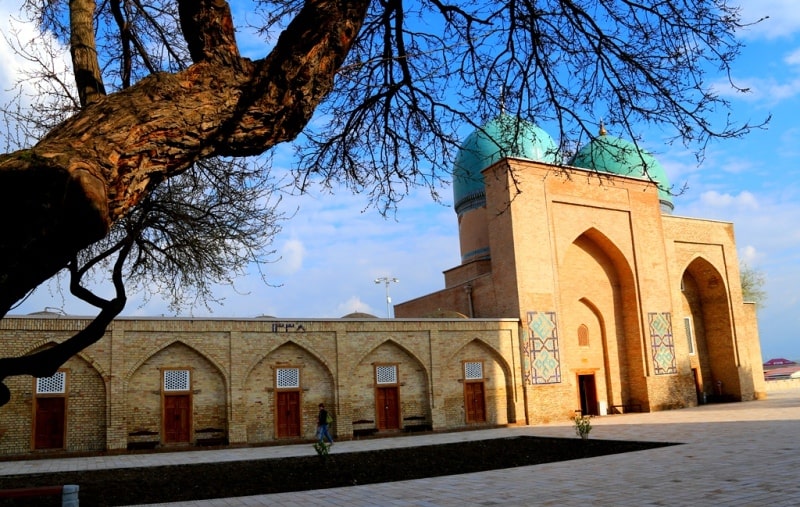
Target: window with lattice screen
(473, 370)
(386, 374)
(583, 335)
(57, 384)
(177, 380)
(287, 378)
(687, 323)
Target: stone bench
(364, 428)
(211, 436)
(416, 423)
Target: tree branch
(45, 363)
(95, 167)
(84, 52)
(208, 29)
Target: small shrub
(583, 425)
(322, 449)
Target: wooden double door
(474, 402)
(177, 419)
(50, 425)
(287, 414)
(387, 407)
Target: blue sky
(334, 248)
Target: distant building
(781, 369)
(578, 292)
(778, 362)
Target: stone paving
(738, 454)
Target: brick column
(237, 411)
(116, 431)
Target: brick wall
(232, 364)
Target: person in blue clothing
(323, 421)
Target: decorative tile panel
(542, 362)
(661, 343)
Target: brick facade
(582, 296)
(655, 298)
(115, 396)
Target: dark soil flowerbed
(241, 478)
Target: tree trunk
(64, 193)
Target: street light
(386, 281)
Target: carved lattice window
(473, 370)
(386, 374)
(57, 384)
(177, 380)
(288, 378)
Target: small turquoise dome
(617, 156)
(505, 136)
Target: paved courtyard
(739, 454)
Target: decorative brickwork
(236, 368)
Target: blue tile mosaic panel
(542, 363)
(661, 343)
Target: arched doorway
(601, 342)
(707, 324)
(400, 389)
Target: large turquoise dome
(505, 136)
(617, 156)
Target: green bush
(583, 426)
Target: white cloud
(10, 62)
(793, 58)
(43, 55)
(783, 18)
(750, 256)
(766, 91)
(744, 200)
(354, 304)
(789, 146)
(291, 255)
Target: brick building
(621, 304)
(193, 381)
(581, 293)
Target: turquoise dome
(505, 136)
(617, 156)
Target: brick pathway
(739, 454)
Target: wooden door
(177, 418)
(697, 387)
(50, 423)
(588, 394)
(474, 402)
(287, 413)
(388, 408)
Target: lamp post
(386, 281)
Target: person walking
(324, 419)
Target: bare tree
(753, 281)
(160, 87)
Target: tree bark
(84, 51)
(64, 193)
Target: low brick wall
(789, 384)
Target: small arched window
(583, 335)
